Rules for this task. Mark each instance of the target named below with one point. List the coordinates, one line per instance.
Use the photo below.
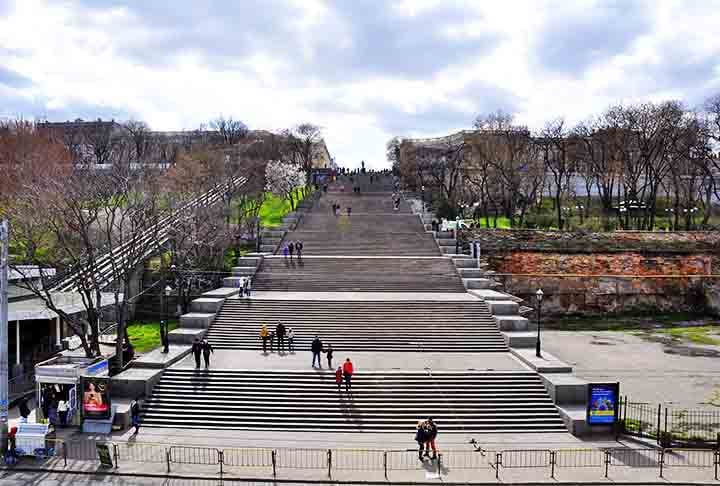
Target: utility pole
(4, 262)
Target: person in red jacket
(338, 376)
(347, 374)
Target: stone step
(465, 263)
(503, 307)
(515, 323)
(196, 320)
(247, 261)
(448, 250)
(207, 305)
(520, 339)
(489, 294)
(479, 283)
(185, 335)
(268, 248)
(472, 272)
(385, 401)
(244, 271)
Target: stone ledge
(565, 388)
(207, 305)
(547, 364)
(222, 292)
(519, 339)
(185, 336)
(196, 320)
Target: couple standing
(425, 437)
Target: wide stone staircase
(361, 274)
(467, 401)
(376, 326)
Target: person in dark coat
(299, 248)
(431, 432)
(280, 333)
(135, 415)
(197, 350)
(207, 349)
(329, 354)
(421, 438)
(24, 409)
(291, 249)
(316, 347)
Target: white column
(17, 342)
(57, 331)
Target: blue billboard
(602, 408)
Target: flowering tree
(283, 178)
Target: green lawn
(502, 223)
(629, 321)
(697, 334)
(145, 335)
(274, 208)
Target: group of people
(336, 209)
(396, 201)
(279, 333)
(344, 373)
(245, 285)
(54, 405)
(203, 348)
(293, 248)
(425, 437)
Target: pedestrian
(280, 333)
(347, 374)
(207, 349)
(421, 439)
(299, 248)
(431, 433)
(247, 285)
(329, 353)
(338, 377)
(272, 340)
(264, 335)
(291, 249)
(316, 347)
(62, 410)
(196, 350)
(241, 286)
(349, 210)
(291, 339)
(135, 414)
(24, 410)
(285, 252)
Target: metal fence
(669, 426)
(536, 463)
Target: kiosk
(61, 379)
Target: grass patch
(274, 209)
(709, 335)
(502, 223)
(625, 322)
(145, 335)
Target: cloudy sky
(363, 70)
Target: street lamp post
(4, 385)
(422, 192)
(167, 291)
(457, 234)
(539, 297)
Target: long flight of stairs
(376, 326)
(340, 274)
(468, 401)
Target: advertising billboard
(96, 398)
(602, 408)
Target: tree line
(89, 224)
(630, 164)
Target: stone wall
(609, 273)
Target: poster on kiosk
(96, 397)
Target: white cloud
(364, 70)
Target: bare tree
(231, 130)
(302, 147)
(553, 142)
(141, 138)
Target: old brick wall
(581, 275)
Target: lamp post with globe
(539, 298)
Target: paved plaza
(646, 372)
